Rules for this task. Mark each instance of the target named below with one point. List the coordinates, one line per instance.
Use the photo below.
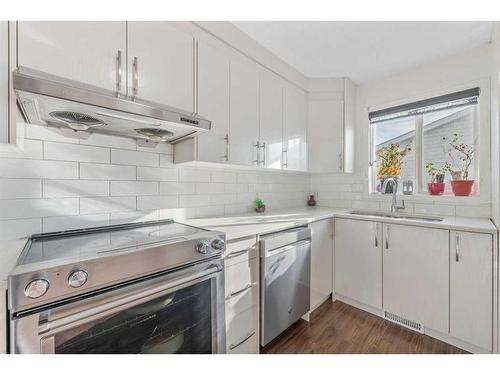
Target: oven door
(178, 312)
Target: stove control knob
(36, 288)
(218, 244)
(203, 247)
(77, 278)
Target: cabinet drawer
(240, 275)
(240, 251)
(242, 299)
(241, 333)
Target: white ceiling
(363, 51)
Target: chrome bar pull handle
(119, 71)
(457, 247)
(246, 287)
(257, 146)
(284, 156)
(263, 147)
(243, 340)
(376, 234)
(226, 156)
(341, 161)
(387, 237)
(135, 77)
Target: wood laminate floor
(337, 328)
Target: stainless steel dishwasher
(285, 280)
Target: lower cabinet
(242, 296)
(471, 288)
(358, 261)
(321, 261)
(416, 276)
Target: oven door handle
(130, 299)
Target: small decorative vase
(435, 188)
(311, 201)
(462, 188)
(260, 209)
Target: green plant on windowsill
(259, 205)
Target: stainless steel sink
(396, 215)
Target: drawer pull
(248, 286)
(235, 345)
(237, 253)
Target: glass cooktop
(104, 240)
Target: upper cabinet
(331, 124)
(4, 82)
(88, 52)
(213, 102)
(271, 120)
(244, 112)
(294, 128)
(161, 64)
(325, 135)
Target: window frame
(482, 114)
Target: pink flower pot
(435, 188)
(462, 188)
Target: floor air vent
(403, 321)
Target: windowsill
(427, 198)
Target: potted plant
(436, 186)
(461, 156)
(390, 159)
(259, 205)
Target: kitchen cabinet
(471, 288)
(416, 276)
(82, 51)
(244, 111)
(294, 128)
(161, 63)
(213, 102)
(321, 261)
(358, 261)
(4, 81)
(271, 120)
(325, 135)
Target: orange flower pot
(462, 188)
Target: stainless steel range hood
(57, 102)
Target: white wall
(472, 68)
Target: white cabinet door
(164, 56)
(4, 81)
(416, 275)
(358, 261)
(271, 119)
(295, 128)
(81, 51)
(325, 135)
(213, 102)
(244, 112)
(321, 261)
(471, 288)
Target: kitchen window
(422, 131)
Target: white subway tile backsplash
(27, 168)
(156, 202)
(474, 211)
(58, 223)
(193, 200)
(33, 208)
(194, 175)
(143, 159)
(171, 188)
(46, 133)
(74, 188)
(20, 228)
(210, 188)
(27, 149)
(166, 161)
(20, 188)
(159, 148)
(221, 176)
(236, 188)
(107, 172)
(434, 209)
(134, 188)
(104, 140)
(250, 177)
(157, 174)
(133, 216)
(68, 151)
(107, 205)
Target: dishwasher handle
(286, 248)
(287, 237)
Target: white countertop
(253, 223)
